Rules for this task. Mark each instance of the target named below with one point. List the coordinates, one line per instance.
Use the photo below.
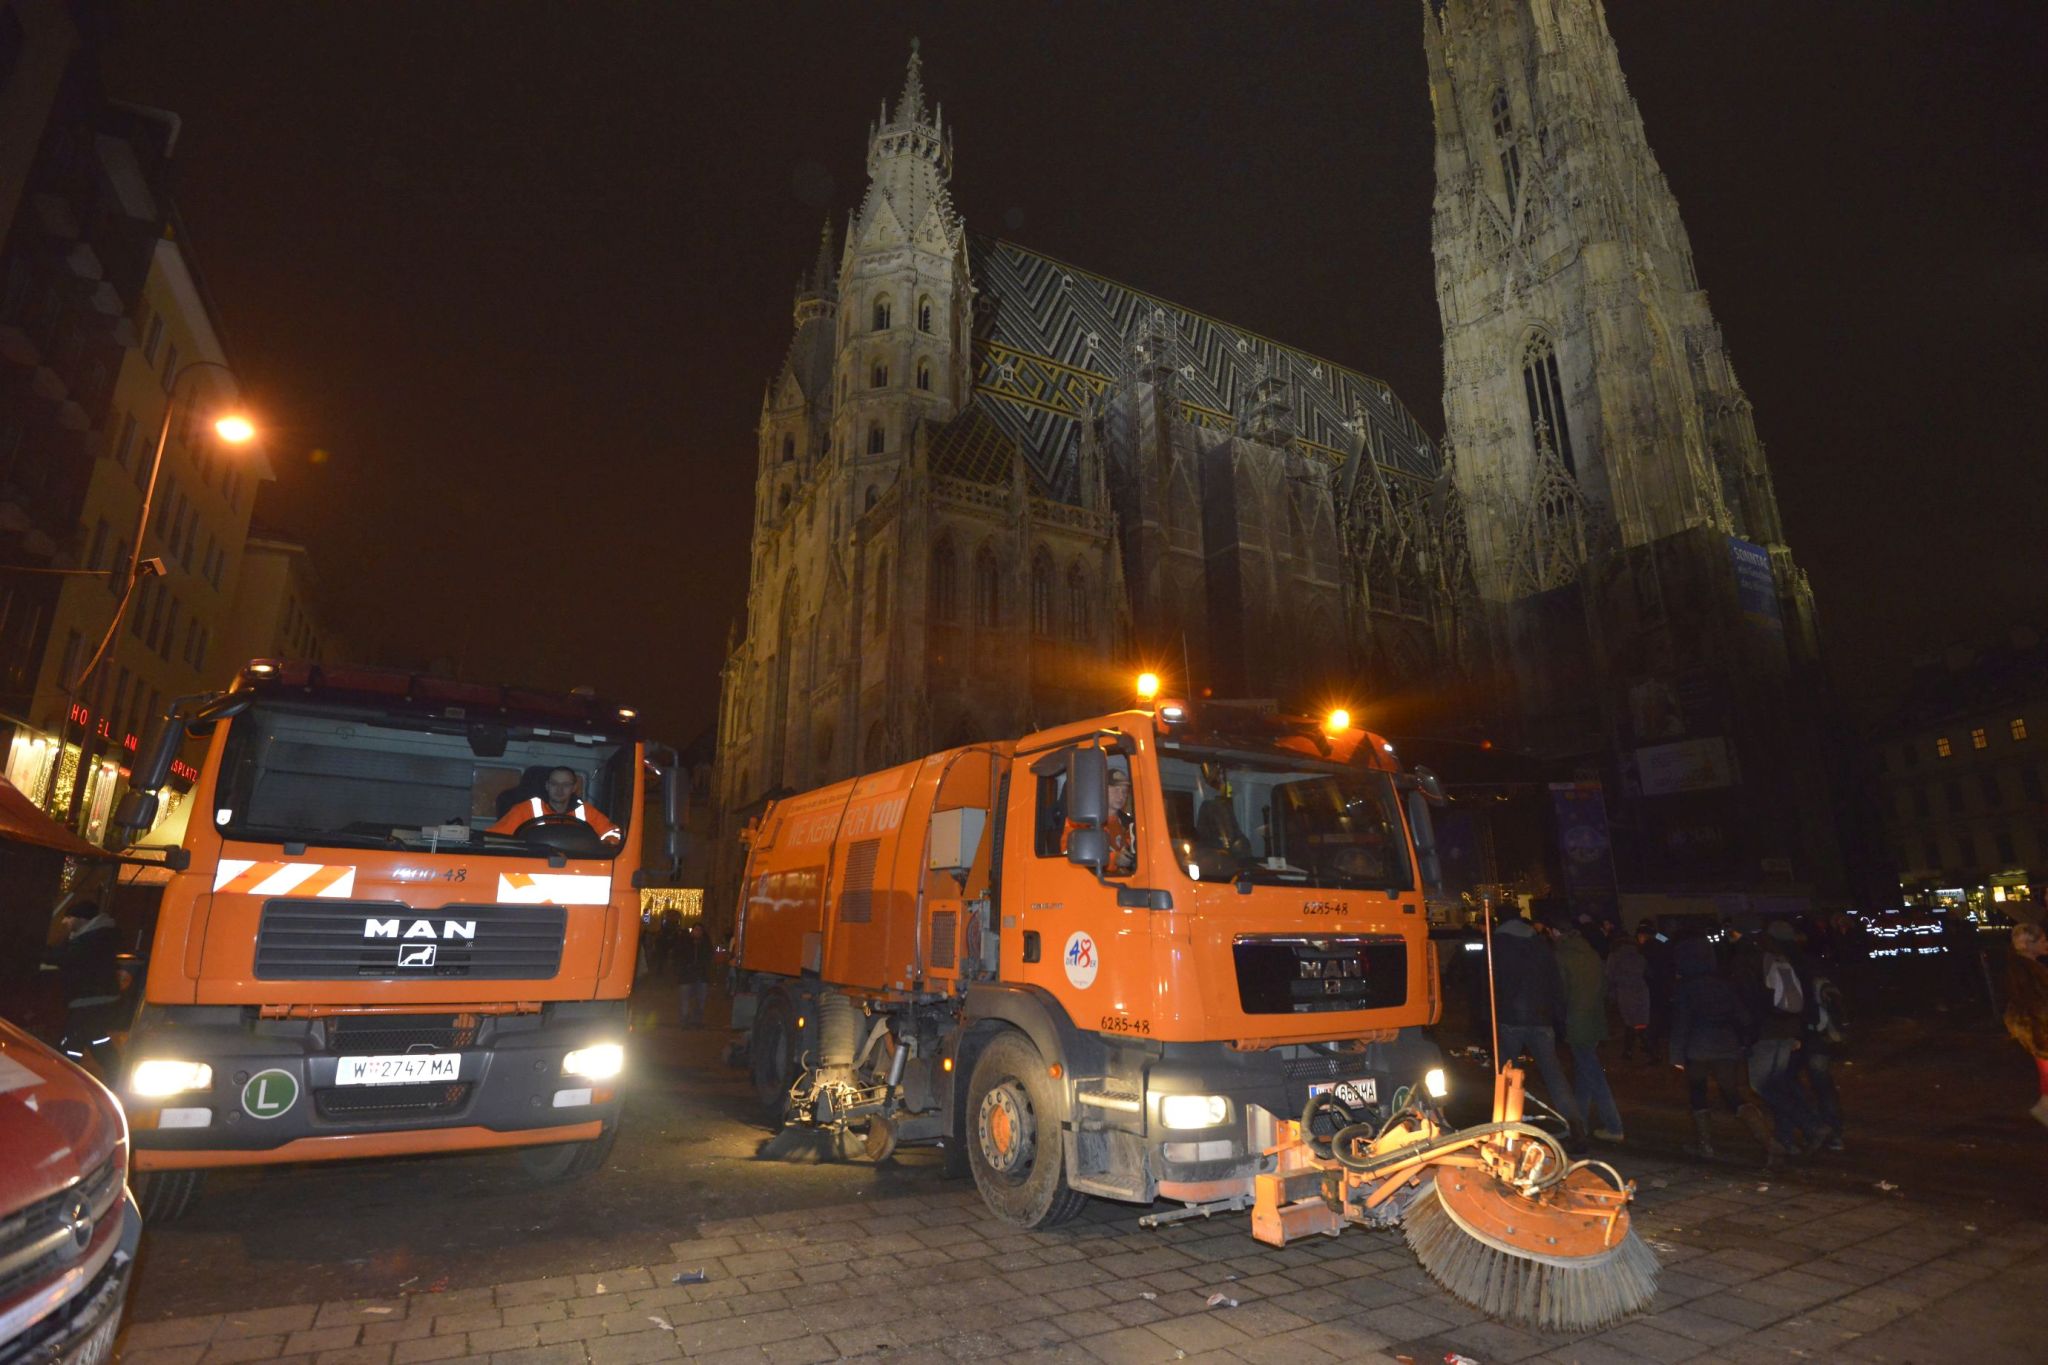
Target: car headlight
(161, 1076)
(1193, 1111)
(1436, 1083)
(599, 1062)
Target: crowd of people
(672, 952)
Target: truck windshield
(385, 778)
(1280, 820)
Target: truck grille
(326, 940)
(375, 1035)
(363, 1103)
(1317, 975)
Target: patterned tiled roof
(1055, 336)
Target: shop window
(1942, 748)
(1978, 739)
(2019, 727)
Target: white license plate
(405, 1069)
(1357, 1094)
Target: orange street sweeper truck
(1177, 953)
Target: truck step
(1103, 1094)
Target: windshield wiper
(285, 834)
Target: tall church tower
(1624, 533)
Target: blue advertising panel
(1583, 844)
(1756, 589)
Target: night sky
(522, 271)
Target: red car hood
(56, 1122)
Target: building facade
(1963, 777)
(277, 613)
(990, 484)
(1645, 615)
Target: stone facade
(1625, 538)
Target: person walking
(1529, 991)
(1820, 1037)
(1585, 1027)
(1711, 1030)
(1631, 991)
(1778, 1002)
(1660, 975)
(2026, 1002)
(692, 959)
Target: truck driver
(561, 802)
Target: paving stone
(164, 1355)
(1749, 1312)
(1127, 1346)
(424, 1349)
(232, 1350)
(1646, 1341)
(321, 1339)
(361, 1311)
(534, 1291)
(142, 1336)
(636, 1347)
(354, 1355)
(1198, 1332)
(567, 1353)
(474, 1320)
(518, 1314)
(266, 1322)
(618, 1281)
(570, 1329)
(505, 1338)
(396, 1329)
(801, 1351)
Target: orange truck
(1179, 954)
(349, 960)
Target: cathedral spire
(910, 105)
(825, 270)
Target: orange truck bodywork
(216, 994)
(931, 899)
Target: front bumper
(275, 1095)
(76, 1320)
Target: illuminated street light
(1148, 686)
(235, 429)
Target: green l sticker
(269, 1094)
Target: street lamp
(233, 428)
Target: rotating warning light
(1338, 721)
(1148, 686)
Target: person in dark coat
(1529, 993)
(85, 962)
(1771, 985)
(1711, 1030)
(1631, 991)
(1585, 1027)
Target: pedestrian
(1711, 1030)
(84, 945)
(692, 959)
(1660, 976)
(1529, 995)
(1821, 1038)
(1777, 1000)
(2026, 1002)
(1585, 1027)
(1631, 992)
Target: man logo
(417, 955)
(420, 928)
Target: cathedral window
(945, 583)
(881, 592)
(882, 313)
(1080, 607)
(1041, 593)
(1504, 135)
(869, 504)
(988, 590)
(880, 377)
(924, 375)
(875, 439)
(1548, 424)
(788, 449)
(924, 315)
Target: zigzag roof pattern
(1054, 337)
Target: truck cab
(376, 939)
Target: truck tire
(166, 1196)
(1013, 1137)
(769, 1052)
(569, 1160)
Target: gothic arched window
(1504, 138)
(945, 583)
(882, 313)
(868, 505)
(924, 314)
(875, 439)
(988, 590)
(880, 377)
(881, 592)
(782, 500)
(924, 375)
(1541, 386)
(1041, 593)
(1080, 606)
(788, 449)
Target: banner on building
(1691, 765)
(1583, 844)
(1756, 587)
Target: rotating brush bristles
(1549, 1293)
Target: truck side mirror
(1426, 782)
(1088, 848)
(1087, 787)
(136, 813)
(153, 767)
(1423, 830)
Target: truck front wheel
(768, 1055)
(1013, 1136)
(164, 1196)
(569, 1160)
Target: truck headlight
(162, 1076)
(1436, 1083)
(1193, 1111)
(599, 1062)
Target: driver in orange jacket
(561, 801)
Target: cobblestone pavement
(1755, 1269)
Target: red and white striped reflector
(245, 877)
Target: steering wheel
(564, 834)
